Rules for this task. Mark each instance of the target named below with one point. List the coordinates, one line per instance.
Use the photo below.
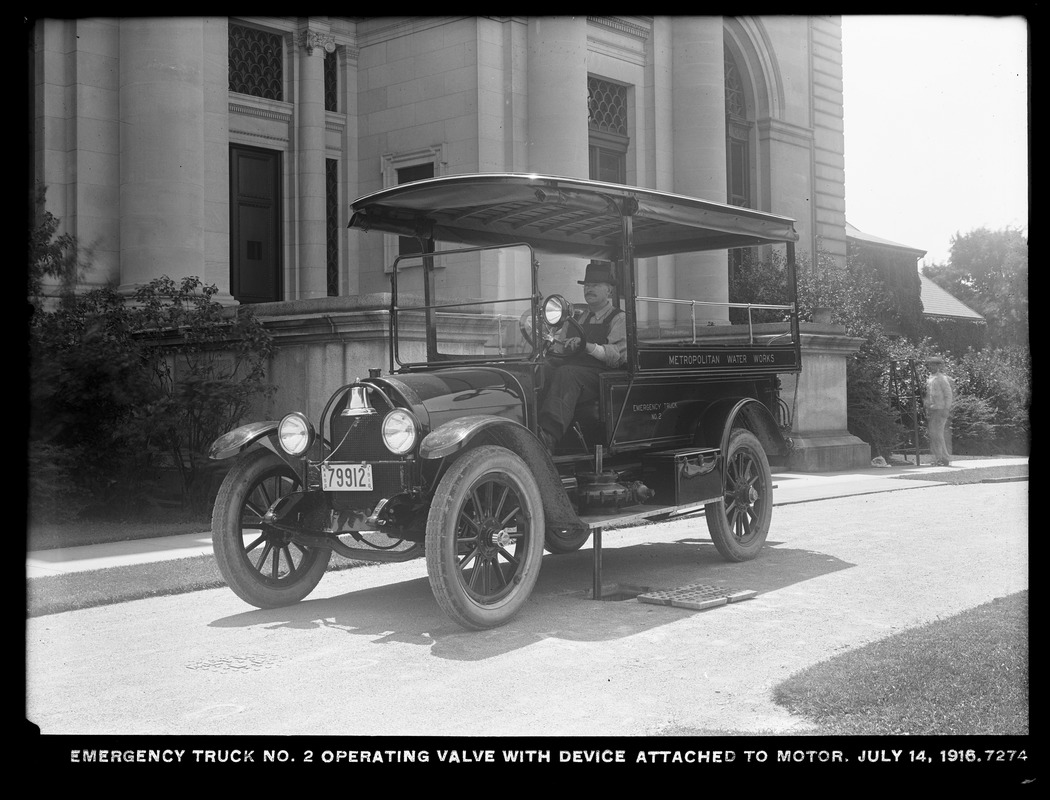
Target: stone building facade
(230, 148)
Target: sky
(936, 127)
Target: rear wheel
(261, 564)
(740, 523)
(484, 540)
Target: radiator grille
(357, 439)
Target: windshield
(471, 309)
(479, 306)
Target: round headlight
(555, 310)
(295, 433)
(400, 431)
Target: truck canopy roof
(568, 216)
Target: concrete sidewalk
(791, 487)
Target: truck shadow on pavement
(560, 606)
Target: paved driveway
(370, 653)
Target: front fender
(455, 436)
(450, 438)
(240, 439)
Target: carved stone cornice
(621, 25)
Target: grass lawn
(77, 533)
(55, 594)
(964, 675)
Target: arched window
(738, 135)
(739, 164)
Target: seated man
(572, 378)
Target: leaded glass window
(607, 106)
(738, 148)
(332, 226)
(735, 105)
(331, 82)
(256, 62)
(607, 120)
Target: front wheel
(484, 539)
(740, 523)
(261, 564)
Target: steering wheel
(576, 328)
(525, 326)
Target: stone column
(659, 272)
(216, 167)
(162, 149)
(557, 122)
(698, 96)
(310, 150)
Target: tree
(988, 270)
(53, 257)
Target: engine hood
(439, 396)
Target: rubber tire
(444, 548)
(561, 543)
(260, 477)
(746, 464)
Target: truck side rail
(693, 304)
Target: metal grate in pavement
(697, 596)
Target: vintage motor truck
(438, 454)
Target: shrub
(208, 368)
(992, 387)
(86, 380)
(129, 391)
(992, 396)
(858, 300)
(869, 415)
(1003, 378)
(121, 392)
(54, 493)
(973, 429)
(756, 280)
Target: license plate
(346, 477)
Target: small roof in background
(936, 302)
(867, 238)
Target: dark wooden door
(255, 215)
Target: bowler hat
(934, 360)
(599, 272)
